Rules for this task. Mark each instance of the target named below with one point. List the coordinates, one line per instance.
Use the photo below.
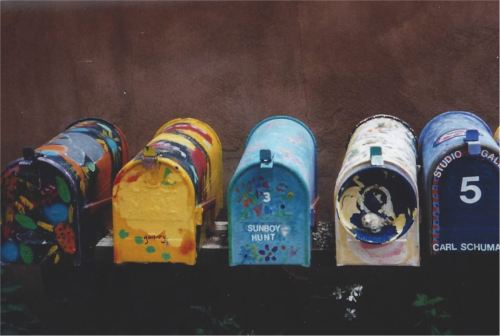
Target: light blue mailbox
(460, 165)
(272, 195)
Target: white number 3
(267, 197)
(470, 187)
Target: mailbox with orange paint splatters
(160, 197)
(53, 197)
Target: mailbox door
(205, 136)
(465, 202)
(269, 215)
(377, 205)
(189, 154)
(154, 217)
(40, 215)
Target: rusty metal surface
(330, 64)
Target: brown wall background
(330, 64)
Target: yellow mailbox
(170, 187)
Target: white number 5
(470, 187)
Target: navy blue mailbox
(272, 195)
(460, 169)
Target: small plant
(350, 294)
(434, 317)
(16, 319)
(211, 324)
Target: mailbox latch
(472, 141)
(266, 158)
(149, 157)
(376, 158)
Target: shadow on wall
(232, 64)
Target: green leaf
(444, 315)
(13, 308)
(63, 190)
(10, 289)
(435, 331)
(25, 221)
(421, 300)
(433, 312)
(435, 300)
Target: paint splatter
(63, 190)
(150, 249)
(166, 172)
(56, 213)
(26, 202)
(10, 251)
(123, 234)
(52, 250)
(132, 178)
(187, 245)
(138, 240)
(166, 256)
(26, 253)
(45, 226)
(25, 221)
(65, 237)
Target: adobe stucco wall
(232, 64)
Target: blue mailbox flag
(272, 194)
(461, 168)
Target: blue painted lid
(290, 143)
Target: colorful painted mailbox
(53, 196)
(376, 196)
(272, 195)
(170, 187)
(460, 169)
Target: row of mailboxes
(174, 185)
